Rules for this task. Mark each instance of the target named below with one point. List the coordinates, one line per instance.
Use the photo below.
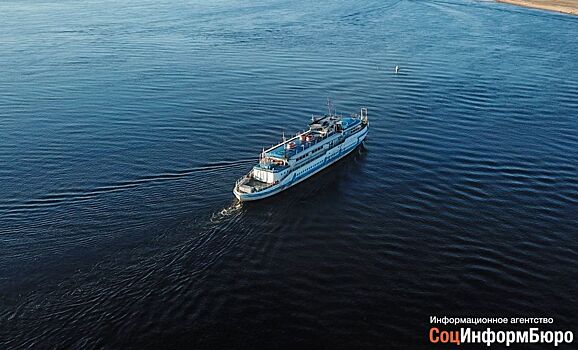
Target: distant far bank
(564, 6)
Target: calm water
(123, 128)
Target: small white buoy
(396, 69)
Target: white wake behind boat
(329, 138)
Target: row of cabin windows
(309, 153)
(311, 167)
(306, 169)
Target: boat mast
(329, 106)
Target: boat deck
(349, 122)
(256, 183)
(281, 152)
(271, 166)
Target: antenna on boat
(284, 136)
(329, 106)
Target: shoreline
(563, 6)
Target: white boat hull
(330, 157)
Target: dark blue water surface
(124, 125)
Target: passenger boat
(330, 137)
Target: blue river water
(124, 125)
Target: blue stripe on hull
(327, 161)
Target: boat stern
(248, 188)
(251, 196)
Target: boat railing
(262, 188)
(247, 176)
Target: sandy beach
(564, 6)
